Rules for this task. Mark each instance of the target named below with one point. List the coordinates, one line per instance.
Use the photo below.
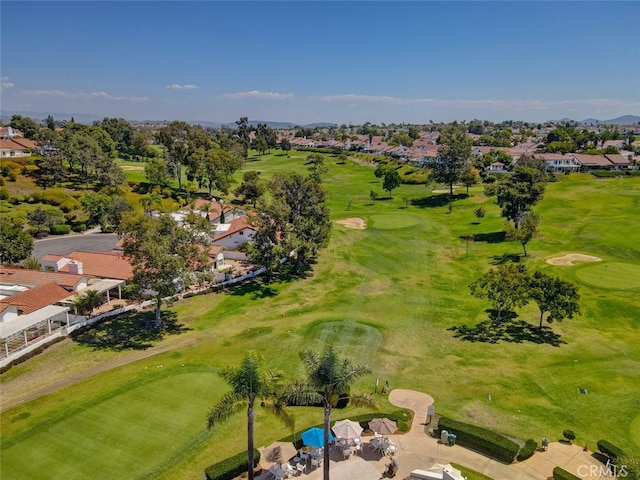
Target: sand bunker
(132, 168)
(353, 222)
(570, 258)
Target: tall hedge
(482, 440)
(527, 450)
(231, 467)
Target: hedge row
(562, 474)
(527, 450)
(482, 440)
(231, 467)
(610, 450)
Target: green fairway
(620, 276)
(386, 297)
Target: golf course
(391, 291)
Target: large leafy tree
(554, 296)
(453, 156)
(328, 377)
(266, 248)
(175, 137)
(163, 254)
(249, 382)
(15, 244)
(391, 180)
(505, 286)
(527, 228)
(298, 207)
(518, 193)
(251, 187)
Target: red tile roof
(37, 298)
(103, 265)
(236, 225)
(36, 278)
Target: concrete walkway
(416, 450)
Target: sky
(340, 62)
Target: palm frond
(300, 393)
(227, 406)
(361, 399)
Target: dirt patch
(571, 258)
(132, 168)
(353, 222)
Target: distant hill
(40, 116)
(623, 120)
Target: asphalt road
(90, 242)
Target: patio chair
(346, 452)
(315, 462)
(300, 468)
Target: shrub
(562, 474)
(60, 229)
(481, 439)
(604, 173)
(231, 467)
(12, 177)
(569, 435)
(1, 181)
(527, 450)
(489, 179)
(79, 227)
(4, 194)
(610, 450)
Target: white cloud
(4, 78)
(6, 84)
(177, 86)
(486, 103)
(259, 94)
(60, 93)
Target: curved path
(417, 450)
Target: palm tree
(90, 300)
(328, 378)
(249, 382)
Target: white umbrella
(347, 429)
(383, 426)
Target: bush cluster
(231, 467)
(482, 440)
(562, 474)
(527, 450)
(604, 173)
(60, 229)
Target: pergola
(18, 332)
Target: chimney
(75, 267)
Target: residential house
(558, 162)
(592, 162)
(16, 147)
(232, 235)
(10, 132)
(620, 162)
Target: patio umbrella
(347, 429)
(383, 426)
(278, 452)
(314, 437)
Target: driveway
(64, 245)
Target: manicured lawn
(385, 296)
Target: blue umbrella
(314, 437)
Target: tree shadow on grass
(128, 332)
(490, 237)
(516, 332)
(255, 288)
(506, 258)
(438, 200)
(509, 330)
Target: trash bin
(452, 439)
(444, 436)
(545, 443)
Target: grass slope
(385, 296)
